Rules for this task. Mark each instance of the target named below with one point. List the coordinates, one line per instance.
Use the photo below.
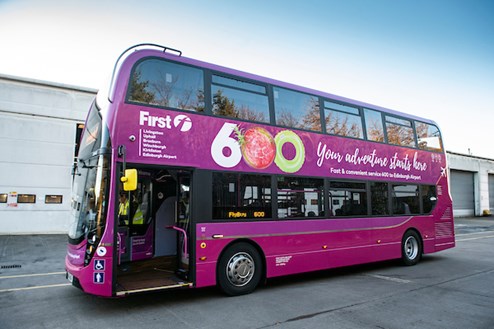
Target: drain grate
(10, 266)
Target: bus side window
(300, 197)
(374, 125)
(428, 137)
(348, 198)
(239, 99)
(379, 198)
(405, 199)
(400, 131)
(429, 198)
(296, 110)
(165, 84)
(343, 120)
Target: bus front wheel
(411, 248)
(239, 269)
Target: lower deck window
(348, 199)
(429, 198)
(248, 196)
(241, 196)
(379, 198)
(300, 197)
(405, 199)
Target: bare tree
(312, 118)
(287, 119)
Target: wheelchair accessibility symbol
(99, 264)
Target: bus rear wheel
(239, 269)
(411, 248)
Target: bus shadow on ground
(164, 298)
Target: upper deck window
(296, 110)
(374, 125)
(161, 83)
(239, 99)
(400, 132)
(343, 120)
(428, 137)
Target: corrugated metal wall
(462, 191)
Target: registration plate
(70, 277)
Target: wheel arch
(252, 243)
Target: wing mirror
(129, 180)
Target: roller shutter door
(462, 192)
(491, 193)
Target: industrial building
(40, 125)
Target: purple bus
(192, 175)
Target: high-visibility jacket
(138, 217)
(123, 211)
(123, 208)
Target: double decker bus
(192, 175)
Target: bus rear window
(166, 84)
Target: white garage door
(463, 193)
(491, 193)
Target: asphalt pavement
(453, 289)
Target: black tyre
(239, 269)
(411, 248)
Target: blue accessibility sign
(98, 277)
(99, 264)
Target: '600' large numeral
(226, 152)
(223, 140)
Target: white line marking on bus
(477, 238)
(36, 287)
(30, 275)
(389, 278)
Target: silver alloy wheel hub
(411, 247)
(240, 269)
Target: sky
(430, 58)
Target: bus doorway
(154, 232)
